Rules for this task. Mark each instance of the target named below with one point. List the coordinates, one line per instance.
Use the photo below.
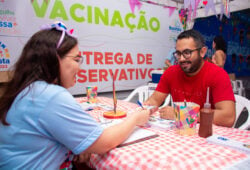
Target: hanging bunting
(225, 9)
(189, 12)
(191, 5)
(208, 6)
(171, 10)
(135, 3)
(195, 8)
(150, 2)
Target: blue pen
(140, 104)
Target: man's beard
(195, 65)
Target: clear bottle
(206, 121)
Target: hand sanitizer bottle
(206, 119)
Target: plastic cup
(186, 117)
(91, 92)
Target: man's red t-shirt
(194, 89)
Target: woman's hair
(198, 39)
(39, 60)
(220, 43)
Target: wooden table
(169, 150)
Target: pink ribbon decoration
(134, 3)
(210, 5)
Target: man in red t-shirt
(190, 79)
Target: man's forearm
(223, 118)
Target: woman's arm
(115, 135)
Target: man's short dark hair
(199, 40)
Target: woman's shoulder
(47, 86)
(47, 90)
(219, 52)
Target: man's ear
(203, 51)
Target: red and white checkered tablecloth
(169, 150)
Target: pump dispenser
(206, 119)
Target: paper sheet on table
(156, 122)
(139, 134)
(90, 106)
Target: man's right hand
(167, 113)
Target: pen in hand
(140, 104)
(152, 109)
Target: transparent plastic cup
(186, 117)
(91, 92)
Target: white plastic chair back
(143, 93)
(239, 83)
(241, 103)
(234, 86)
(240, 88)
(168, 101)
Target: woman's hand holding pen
(152, 109)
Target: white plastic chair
(241, 103)
(143, 93)
(234, 86)
(240, 88)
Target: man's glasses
(186, 53)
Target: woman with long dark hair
(220, 47)
(41, 122)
